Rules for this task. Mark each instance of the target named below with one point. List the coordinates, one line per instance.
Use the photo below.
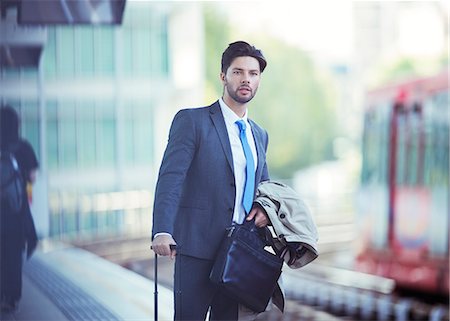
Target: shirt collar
(229, 115)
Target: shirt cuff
(162, 233)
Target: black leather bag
(244, 269)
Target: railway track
(326, 289)
(319, 292)
(358, 296)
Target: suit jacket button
(282, 215)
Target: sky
(314, 26)
(325, 27)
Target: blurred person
(201, 182)
(17, 231)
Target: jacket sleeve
(176, 161)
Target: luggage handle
(155, 277)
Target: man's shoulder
(255, 126)
(199, 110)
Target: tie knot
(241, 125)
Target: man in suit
(202, 182)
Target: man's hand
(161, 245)
(257, 212)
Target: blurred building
(96, 101)
(387, 31)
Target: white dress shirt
(239, 161)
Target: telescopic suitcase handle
(155, 293)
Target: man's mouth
(244, 89)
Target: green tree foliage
(216, 39)
(293, 102)
(404, 68)
(294, 106)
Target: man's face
(241, 79)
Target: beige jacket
(292, 223)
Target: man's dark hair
(242, 49)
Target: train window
(375, 145)
(409, 160)
(401, 122)
(436, 160)
(441, 135)
(415, 133)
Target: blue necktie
(249, 189)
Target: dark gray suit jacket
(195, 192)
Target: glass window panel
(128, 133)
(52, 135)
(143, 133)
(105, 50)
(86, 50)
(141, 43)
(86, 135)
(66, 51)
(49, 53)
(164, 47)
(67, 135)
(70, 222)
(127, 51)
(106, 134)
(54, 224)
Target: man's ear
(222, 76)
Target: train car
(403, 199)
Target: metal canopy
(50, 12)
(20, 46)
(23, 32)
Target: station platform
(66, 283)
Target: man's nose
(245, 79)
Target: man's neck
(238, 108)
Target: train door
(411, 201)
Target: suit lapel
(219, 123)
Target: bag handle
(263, 232)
